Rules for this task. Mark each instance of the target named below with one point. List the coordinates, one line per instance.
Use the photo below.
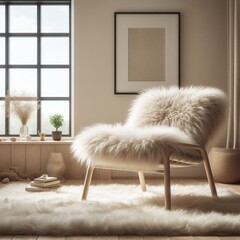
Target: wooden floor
(119, 238)
(233, 187)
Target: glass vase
(23, 132)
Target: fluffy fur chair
(165, 128)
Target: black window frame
(37, 66)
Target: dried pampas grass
(23, 111)
(22, 105)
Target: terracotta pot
(56, 135)
(225, 164)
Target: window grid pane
(2, 117)
(52, 107)
(23, 81)
(2, 82)
(23, 19)
(55, 50)
(54, 82)
(23, 50)
(2, 19)
(55, 19)
(2, 50)
(16, 119)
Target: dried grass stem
(23, 111)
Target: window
(35, 61)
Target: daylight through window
(35, 61)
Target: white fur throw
(158, 119)
(197, 111)
(127, 143)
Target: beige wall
(203, 52)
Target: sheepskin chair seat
(165, 127)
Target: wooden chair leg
(87, 182)
(142, 181)
(167, 183)
(209, 173)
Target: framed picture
(146, 50)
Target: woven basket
(225, 164)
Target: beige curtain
(233, 73)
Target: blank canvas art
(146, 54)
(146, 51)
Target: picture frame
(146, 51)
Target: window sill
(47, 142)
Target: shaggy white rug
(116, 209)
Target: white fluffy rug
(116, 209)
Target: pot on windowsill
(56, 120)
(56, 135)
(225, 164)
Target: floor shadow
(204, 204)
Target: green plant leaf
(56, 120)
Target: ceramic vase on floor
(56, 166)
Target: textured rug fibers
(118, 209)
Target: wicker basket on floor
(225, 164)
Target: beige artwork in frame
(146, 51)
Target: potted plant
(56, 121)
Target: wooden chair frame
(165, 172)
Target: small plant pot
(56, 135)
(225, 164)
